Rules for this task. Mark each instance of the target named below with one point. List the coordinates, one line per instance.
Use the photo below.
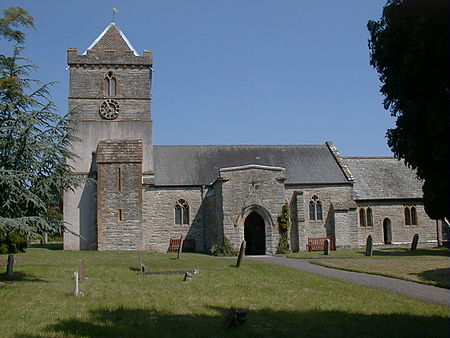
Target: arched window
(369, 217)
(110, 84)
(315, 209)
(365, 217)
(181, 212)
(312, 211)
(362, 217)
(410, 215)
(413, 216)
(319, 210)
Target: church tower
(109, 95)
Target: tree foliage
(409, 50)
(34, 140)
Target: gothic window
(362, 217)
(315, 209)
(410, 215)
(365, 217)
(110, 84)
(181, 212)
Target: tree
(34, 141)
(409, 50)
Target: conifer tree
(34, 140)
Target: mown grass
(119, 302)
(382, 252)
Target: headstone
(241, 254)
(326, 247)
(77, 292)
(45, 240)
(181, 247)
(414, 243)
(369, 246)
(187, 277)
(10, 265)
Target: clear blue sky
(235, 71)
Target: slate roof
(199, 165)
(383, 178)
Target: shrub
(13, 242)
(226, 249)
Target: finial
(114, 11)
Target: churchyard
(117, 301)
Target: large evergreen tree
(409, 49)
(34, 140)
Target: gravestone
(142, 267)
(414, 243)
(326, 247)
(181, 247)
(241, 254)
(187, 277)
(369, 246)
(10, 265)
(77, 292)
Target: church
(147, 194)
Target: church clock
(109, 109)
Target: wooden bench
(188, 244)
(318, 243)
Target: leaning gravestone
(180, 247)
(369, 246)
(241, 254)
(326, 247)
(414, 243)
(10, 266)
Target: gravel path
(423, 292)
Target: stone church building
(146, 194)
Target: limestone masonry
(146, 194)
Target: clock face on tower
(109, 109)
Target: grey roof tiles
(200, 164)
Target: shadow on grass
(19, 277)
(135, 322)
(439, 276)
(405, 252)
(50, 246)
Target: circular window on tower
(109, 109)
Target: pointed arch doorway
(387, 231)
(254, 235)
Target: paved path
(427, 293)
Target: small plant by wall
(284, 223)
(226, 249)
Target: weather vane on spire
(114, 10)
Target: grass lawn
(118, 302)
(426, 266)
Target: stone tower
(109, 93)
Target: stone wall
(158, 219)
(401, 233)
(247, 189)
(119, 195)
(302, 226)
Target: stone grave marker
(241, 254)
(369, 246)
(187, 277)
(326, 247)
(181, 247)
(414, 243)
(10, 265)
(77, 292)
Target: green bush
(13, 242)
(226, 249)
